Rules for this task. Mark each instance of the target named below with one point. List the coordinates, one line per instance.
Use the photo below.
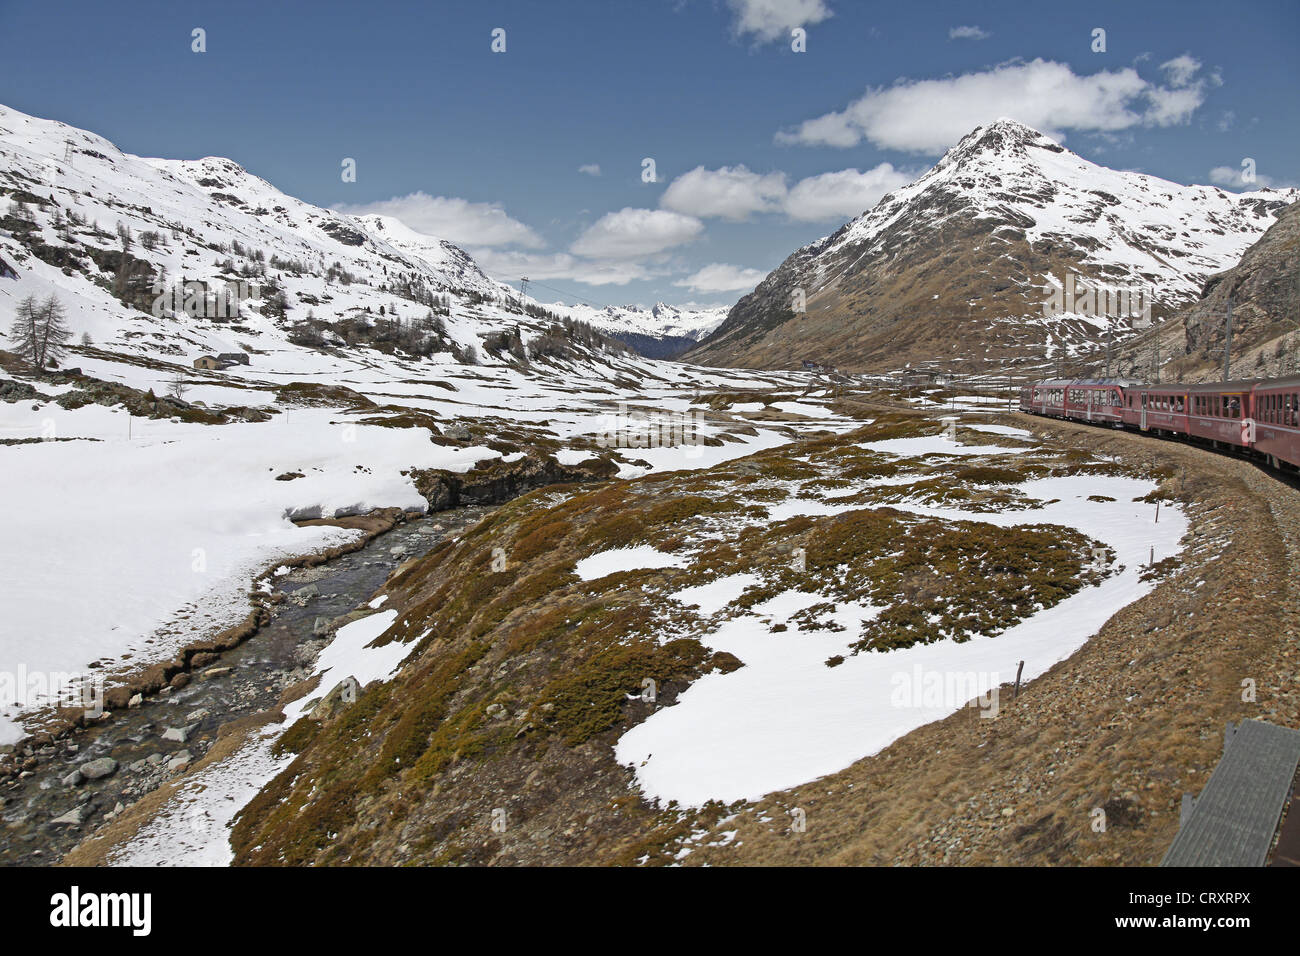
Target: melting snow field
(785, 718)
(121, 537)
(934, 445)
(139, 535)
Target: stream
(47, 811)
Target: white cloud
(591, 169)
(842, 195)
(732, 192)
(1181, 69)
(735, 193)
(508, 265)
(768, 20)
(630, 233)
(928, 116)
(1231, 176)
(465, 223)
(968, 33)
(721, 277)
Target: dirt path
(1088, 765)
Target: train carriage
(1045, 398)
(1096, 400)
(1259, 416)
(1221, 412)
(1162, 409)
(1275, 409)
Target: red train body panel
(1260, 417)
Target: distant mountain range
(662, 331)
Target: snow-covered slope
(209, 221)
(962, 255)
(372, 351)
(662, 331)
(659, 321)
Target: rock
(72, 779)
(497, 712)
(320, 626)
(72, 818)
(97, 769)
(212, 672)
(345, 692)
(180, 763)
(135, 701)
(178, 734)
(195, 716)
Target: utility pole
(1227, 344)
(1110, 336)
(523, 290)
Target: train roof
(1291, 381)
(1118, 382)
(1237, 385)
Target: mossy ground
(523, 675)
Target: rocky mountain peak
(1002, 138)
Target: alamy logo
(1076, 295)
(74, 909)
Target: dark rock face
(495, 482)
(344, 234)
(1265, 290)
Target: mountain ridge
(952, 267)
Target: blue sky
(757, 149)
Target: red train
(1257, 417)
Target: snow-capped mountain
(661, 331)
(954, 267)
(109, 232)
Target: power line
(572, 295)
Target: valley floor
(799, 650)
